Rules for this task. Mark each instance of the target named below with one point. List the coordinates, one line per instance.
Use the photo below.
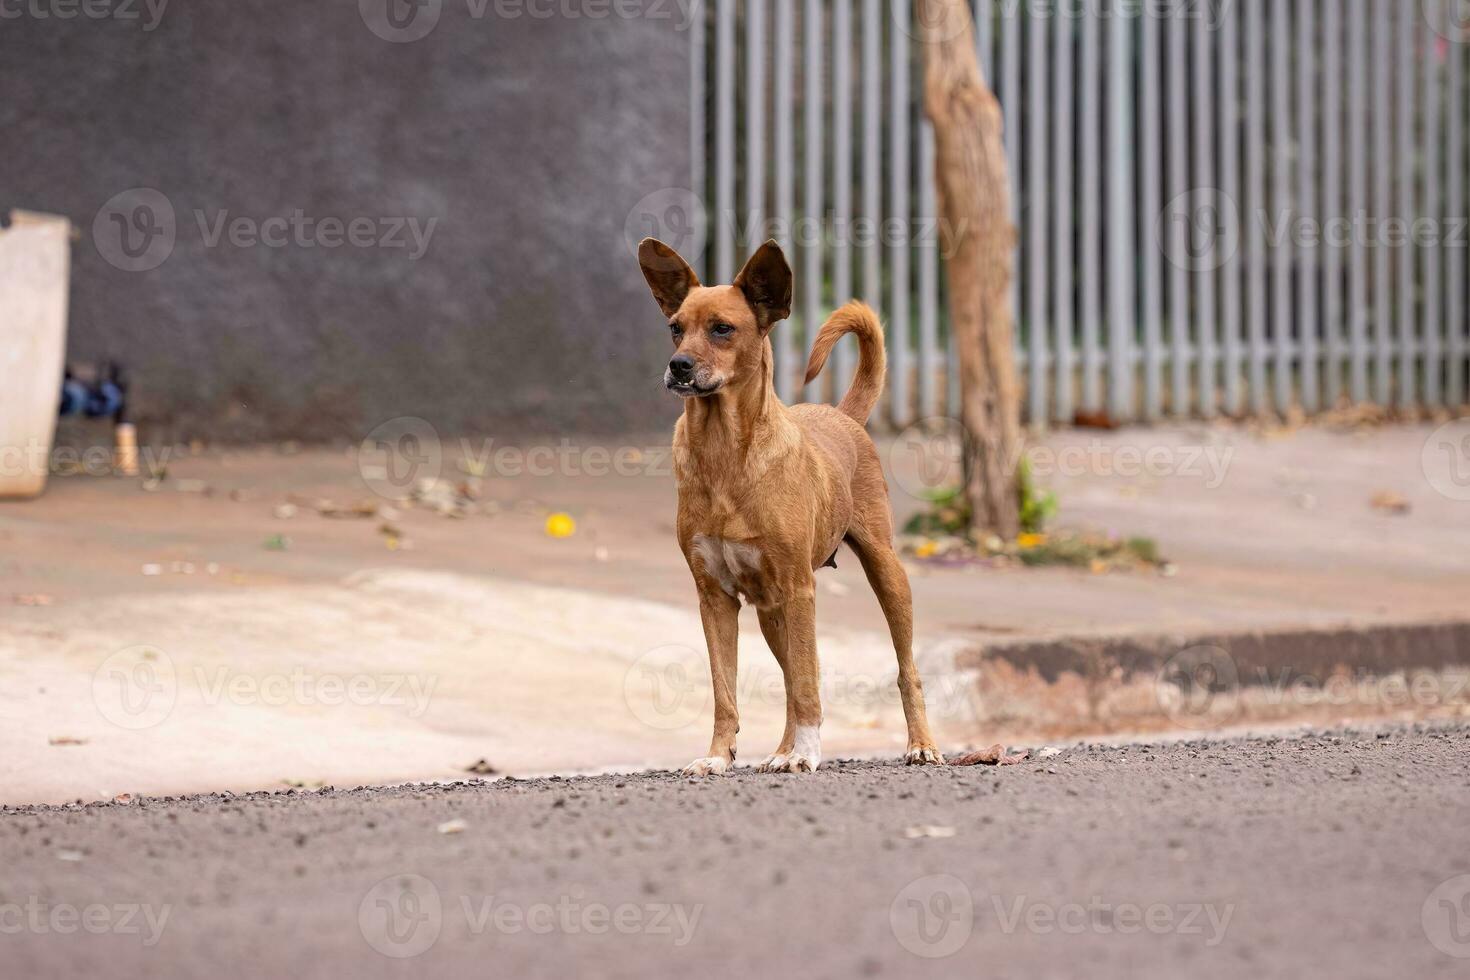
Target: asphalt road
(1340, 854)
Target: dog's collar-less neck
(734, 418)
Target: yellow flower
(1029, 541)
(560, 525)
(927, 548)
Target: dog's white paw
(924, 755)
(788, 763)
(712, 766)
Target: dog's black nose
(681, 367)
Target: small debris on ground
(33, 599)
(277, 542)
(65, 740)
(481, 767)
(455, 826)
(996, 755)
(1390, 502)
(928, 830)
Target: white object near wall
(35, 273)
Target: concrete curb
(1378, 648)
(1082, 685)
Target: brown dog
(767, 492)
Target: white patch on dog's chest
(736, 565)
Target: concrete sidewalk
(483, 636)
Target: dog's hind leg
(720, 614)
(872, 540)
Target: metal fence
(1224, 206)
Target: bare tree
(975, 205)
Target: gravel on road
(1336, 854)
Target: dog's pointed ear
(669, 276)
(766, 283)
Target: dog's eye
(722, 330)
(676, 331)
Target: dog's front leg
(720, 613)
(801, 748)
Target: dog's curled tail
(858, 319)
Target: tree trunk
(978, 239)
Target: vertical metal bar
(1152, 216)
(872, 153)
(755, 124)
(1122, 245)
(1230, 304)
(788, 362)
(1357, 70)
(928, 272)
(1176, 37)
(1332, 209)
(698, 147)
(898, 174)
(724, 216)
(1382, 68)
(1010, 100)
(812, 183)
(1063, 299)
(1456, 276)
(1404, 168)
(1281, 132)
(1205, 201)
(841, 177)
(1430, 325)
(1039, 190)
(1307, 46)
(1090, 88)
(1255, 202)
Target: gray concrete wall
(528, 140)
